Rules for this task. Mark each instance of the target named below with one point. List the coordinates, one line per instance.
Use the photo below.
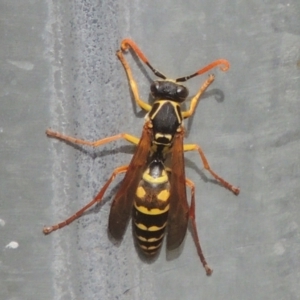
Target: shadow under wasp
(153, 190)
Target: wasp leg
(132, 83)
(195, 99)
(229, 186)
(97, 199)
(66, 138)
(191, 185)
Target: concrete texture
(59, 69)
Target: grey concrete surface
(58, 69)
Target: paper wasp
(154, 186)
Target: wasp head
(169, 90)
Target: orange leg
(229, 186)
(97, 199)
(98, 143)
(208, 270)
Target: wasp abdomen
(151, 207)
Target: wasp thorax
(169, 90)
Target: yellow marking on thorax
(161, 135)
(174, 104)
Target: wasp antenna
(216, 63)
(128, 43)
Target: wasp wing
(121, 207)
(179, 208)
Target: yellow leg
(229, 186)
(195, 99)
(132, 139)
(132, 83)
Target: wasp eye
(154, 87)
(182, 91)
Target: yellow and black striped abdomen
(151, 207)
